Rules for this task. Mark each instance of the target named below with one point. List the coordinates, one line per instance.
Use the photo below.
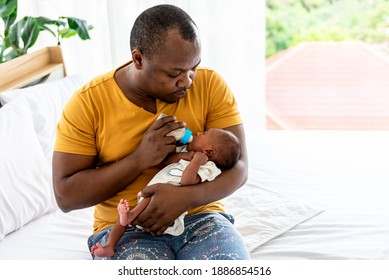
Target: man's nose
(185, 80)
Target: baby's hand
(200, 157)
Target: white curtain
(232, 34)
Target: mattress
(310, 195)
(346, 172)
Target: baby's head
(221, 146)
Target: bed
(310, 194)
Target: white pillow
(262, 214)
(25, 184)
(46, 102)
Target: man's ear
(137, 58)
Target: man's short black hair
(151, 27)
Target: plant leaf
(8, 12)
(2, 49)
(8, 21)
(30, 32)
(15, 32)
(80, 26)
(14, 53)
(27, 29)
(7, 7)
(67, 32)
(45, 28)
(46, 21)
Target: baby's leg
(102, 251)
(127, 214)
(134, 212)
(108, 250)
(123, 210)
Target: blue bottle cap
(184, 140)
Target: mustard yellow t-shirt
(99, 120)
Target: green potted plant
(19, 36)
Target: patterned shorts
(207, 236)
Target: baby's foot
(100, 251)
(123, 209)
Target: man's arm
(163, 196)
(78, 184)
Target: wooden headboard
(37, 67)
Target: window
(327, 65)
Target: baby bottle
(182, 135)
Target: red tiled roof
(329, 85)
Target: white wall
(232, 34)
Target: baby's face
(204, 140)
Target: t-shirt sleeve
(223, 109)
(75, 130)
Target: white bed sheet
(54, 236)
(293, 176)
(346, 173)
(260, 215)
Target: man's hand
(160, 213)
(79, 184)
(155, 145)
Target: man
(109, 145)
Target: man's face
(169, 73)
